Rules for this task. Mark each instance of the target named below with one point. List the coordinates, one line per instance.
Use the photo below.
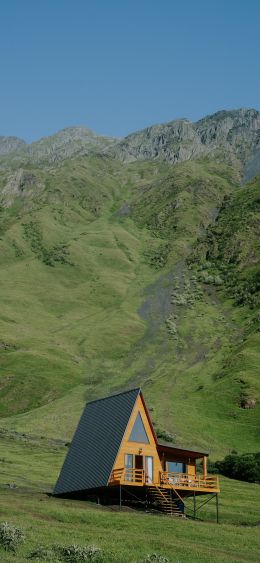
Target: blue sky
(117, 66)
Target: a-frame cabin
(116, 457)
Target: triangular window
(138, 433)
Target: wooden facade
(152, 462)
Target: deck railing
(178, 480)
(128, 475)
(187, 480)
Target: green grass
(33, 467)
(128, 536)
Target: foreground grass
(128, 535)
(33, 467)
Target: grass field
(129, 535)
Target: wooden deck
(167, 480)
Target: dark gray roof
(163, 444)
(96, 442)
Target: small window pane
(138, 433)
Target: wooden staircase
(163, 500)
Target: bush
(70, 554)
(210, 279)
(44, 553)
(164, 435)
(157, 257)
(171, 325)
(77, 553)
(245, 467)
(178, 298)
(50, 256)
(10, 537)
(155, 558)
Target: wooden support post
(217, 508)
(194, 505)
(120, 496)
(204, 467)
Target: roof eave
(172, 448)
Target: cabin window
(138, 433)
(175, 467)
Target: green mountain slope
(115, 274)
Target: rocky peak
(69, 142)
(21, 183)
(229, 127)
(10, 144)
(235, 132)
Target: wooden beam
(217, 508)
(204, 467)
(194, 505)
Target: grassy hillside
(33, 467)
(100, 291)
(115, 275)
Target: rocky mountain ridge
(233, 135)
(67, 143)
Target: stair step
(165, 502)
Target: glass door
(175, 467)
(176, 471)
(149, 469)
(129, 467)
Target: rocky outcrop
(70, 142)
(236, 133)
(22, 184)
(247, 403)
(9, 145)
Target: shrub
(44, 553)
(178, 298)
(245, 467)
(59, 253)
(213, 279)
(155, 558)
(157, 257)
(171, 325)
(164, 435)
(10, 537)
(77, 553)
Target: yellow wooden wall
(137, 448)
